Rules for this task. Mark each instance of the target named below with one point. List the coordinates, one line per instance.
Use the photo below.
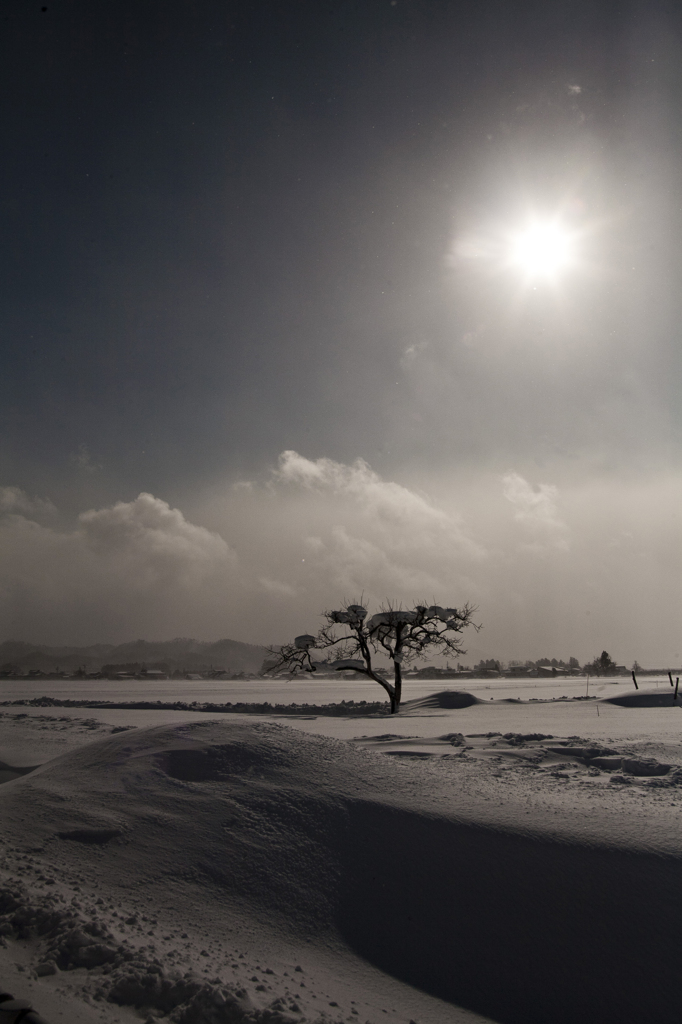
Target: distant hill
(178, 655)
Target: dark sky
(237, 229)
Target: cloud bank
(557, 568)
(135, 568)
(380, 538)
(391, 503)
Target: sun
(543, 249)
(535, 249)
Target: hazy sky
(271, 338)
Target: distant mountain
(177, 655)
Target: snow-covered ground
(304, 690)
(421, 867)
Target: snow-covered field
(301, 691)
(422, 867)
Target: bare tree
(399, 634)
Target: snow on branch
(401, 634)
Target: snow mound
(640, 766)
(611, 761)
(646, 699)
(446, 699)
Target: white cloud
(355, 565)
(14, 501)
(574, 90)
(536, 508)
(152, 539)
(389, 502)
(354, 532)
(132, 569)
(142, 568)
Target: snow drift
(255, 828)
(662, 698)
(444, 699)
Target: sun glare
(542, 250)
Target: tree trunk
(398, 683)
(390, 690)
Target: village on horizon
(231, 659)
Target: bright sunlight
(542, 250)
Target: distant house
(552, 671)
(154, 673)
